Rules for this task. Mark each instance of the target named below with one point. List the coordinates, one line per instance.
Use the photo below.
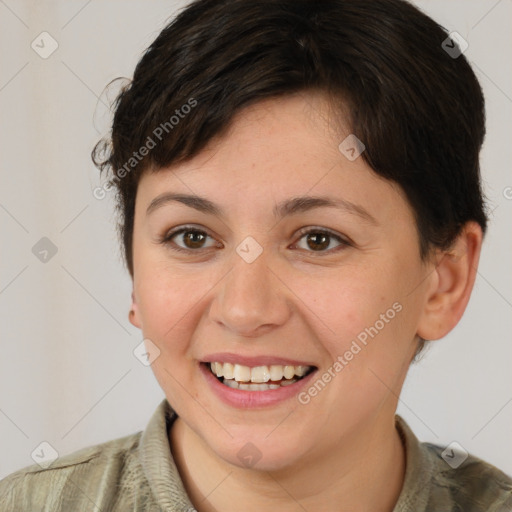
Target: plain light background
(68, 375)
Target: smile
(258, 378)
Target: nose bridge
(250, 297)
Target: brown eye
(319, 240)
(187, 239)
(193, 239)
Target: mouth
(257, 378)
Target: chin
(260, 454)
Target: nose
(250, 300)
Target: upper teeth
(240, 373)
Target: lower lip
(252, 399)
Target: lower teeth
(246, 386)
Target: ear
(134, 315)
(451, 284)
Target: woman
(301, 209)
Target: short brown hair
(418, 110)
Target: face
(251, 277)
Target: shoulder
(34, 486)
(468, 481)
(448, 479)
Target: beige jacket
(137, 473)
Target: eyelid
(165, 239)
(343, 241)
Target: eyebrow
(290, 206)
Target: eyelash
(166, 239)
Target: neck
(363, 472)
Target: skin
(299, 300)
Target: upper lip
(251, 361)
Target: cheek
(169, 306)
(347, 301)
(363, 320)
(359, 323)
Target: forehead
(273, 150)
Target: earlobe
(451, 284)
(134, 315)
